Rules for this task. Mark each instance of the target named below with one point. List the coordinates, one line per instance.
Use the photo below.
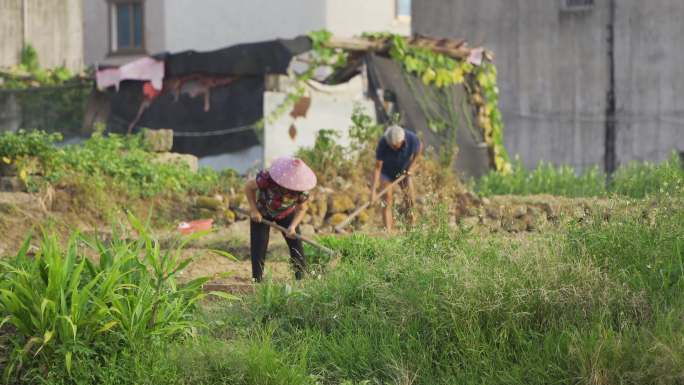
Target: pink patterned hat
(293, 174)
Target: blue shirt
(394, 162)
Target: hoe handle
(284, 230)
(358, 211)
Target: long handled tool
(298, 236)
(339, 228)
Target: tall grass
(599, 304)
(635, 180)
(639, 180)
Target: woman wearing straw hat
(396, 154)
(279, 194)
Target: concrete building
(54, 28)
(118, 30)
(583, 82)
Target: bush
(102, 161)
(126, 162)
(20, 148)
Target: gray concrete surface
(554, 73)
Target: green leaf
(67, 360)
(107, 326)
(224, 254)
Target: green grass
(634, 180)
(597, 303)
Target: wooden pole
(298, 236)
(453, 48)
(358, 211)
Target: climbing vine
(441, 72)
(319, 56)
(438, 73)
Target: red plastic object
(194, 226)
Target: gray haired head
(394, 135)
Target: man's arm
(376, 180)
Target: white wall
(244, 162)
(353, 17)
(330, 109)
(178, 25)
(96, 31)
(211, 24)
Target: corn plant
(47, 300)
(63, 305)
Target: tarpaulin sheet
(472, 159)
(225, 127)
(252, 59)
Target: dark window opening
(127, 26)
(577, 5)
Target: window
(576, 5)
(403, 9)
(126, 33)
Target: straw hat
(293, 174)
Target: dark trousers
(259, 234)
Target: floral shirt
(275, 201)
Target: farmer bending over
(279, 195)
(396, 154)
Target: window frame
(113, 28)
(400, 17)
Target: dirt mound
(538, 212)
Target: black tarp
(234, 108)
(224, 128)
(472, 159)
(252, 59)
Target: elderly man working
(396, 154)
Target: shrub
(21, 148)
(112, 159)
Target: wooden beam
(356, 44)
(457, 49)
